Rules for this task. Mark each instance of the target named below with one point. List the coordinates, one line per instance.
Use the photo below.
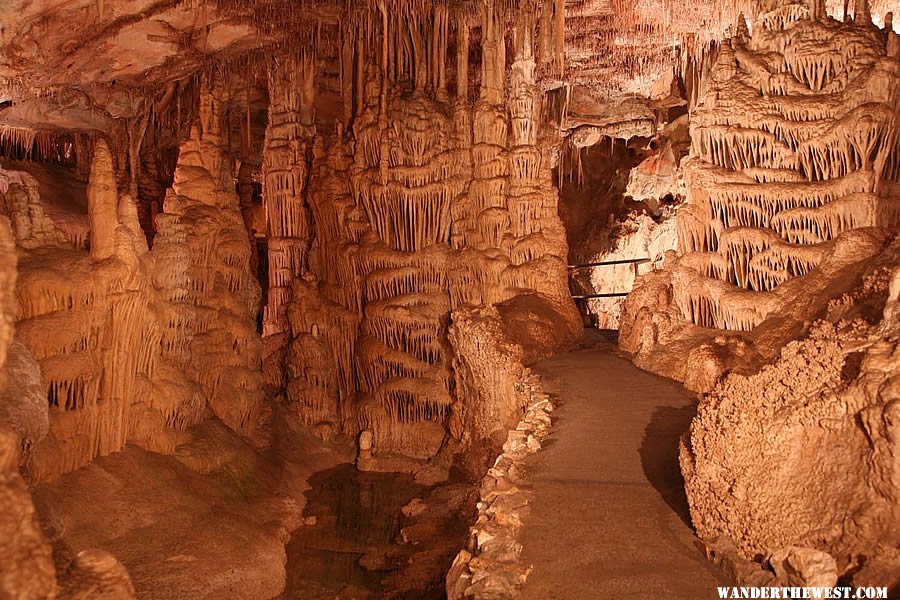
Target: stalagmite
(128, 217)
(103, 203)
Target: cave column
(532, 200)
(209, 295)
(817, 8)
(347, 72)
(285, 172)
(560, 38)
(546, 33)
(861, 12)
(493, 54)
(137, 129)
(462, 58)
(245, 182)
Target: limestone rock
(27, 569)
(804, 567)
(103, 203)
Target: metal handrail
(612, 295)
(624, 261)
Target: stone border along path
(492, 565)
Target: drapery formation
(795, 144)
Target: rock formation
(208, 296)
(27, 569)
(780, 302)
(829, 399)
(242, 241)
(285, 174)
(782, 193)
(434, 206)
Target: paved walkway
(609, 519)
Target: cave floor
(609, 517)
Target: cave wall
(781, 305)
(28, 568)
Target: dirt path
(609, 519)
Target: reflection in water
(358, 514)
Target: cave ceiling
(79, 65)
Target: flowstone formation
(209, 296)
(326, 306)
(242, 241)
(27, 570)
(405, 178)
(781, 302)
(143, 342)
(792, 184)
(285, 173)
(96, 302)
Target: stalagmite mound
(803, 453)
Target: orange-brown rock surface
(244, 240)
(27, 568)
(780, 303)
(792, 186)
(803, 453)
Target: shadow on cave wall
(659, 455)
